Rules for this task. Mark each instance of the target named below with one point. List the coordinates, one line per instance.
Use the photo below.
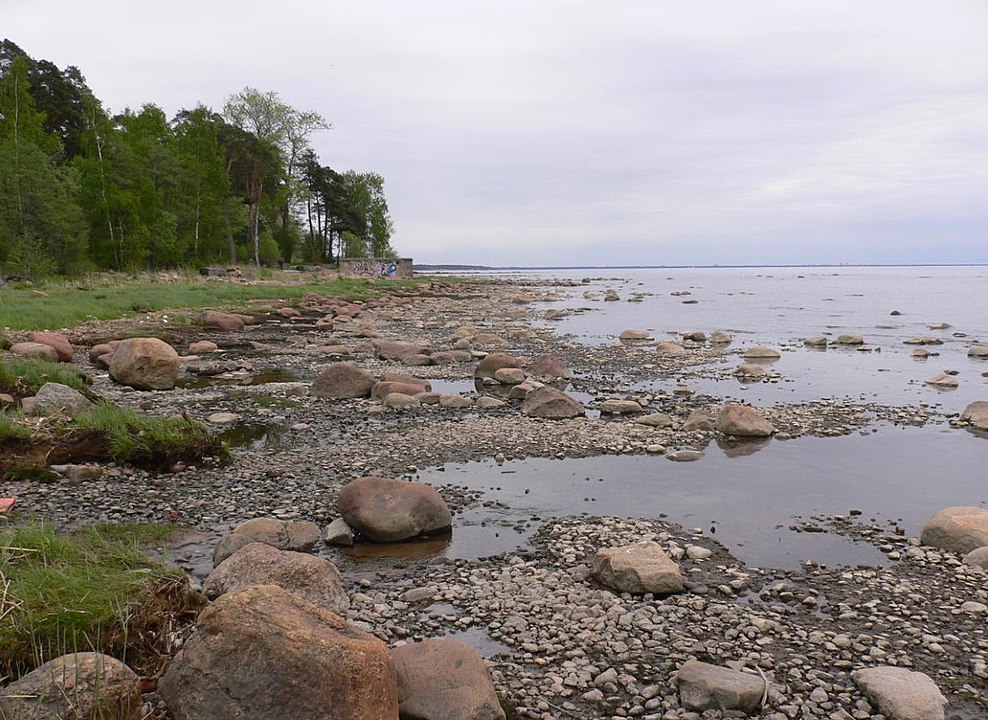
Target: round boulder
(742, 421)
(264, 653)
(311, 577)
(444, 679)
(389, 510)
(670, 348)
(958, 529)
(145, 364)
(81, 685)
(548, 402)
(343, 381)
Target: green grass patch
(24, 376)
(72, 303)
(11, 426)
(148, 440)
(92, 590)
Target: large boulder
(976, 413)
(901, 694)
(742, 421)
(548, 402)
(978, 351)
(641, 568)
(309, 576)
(703, 686)
(81, 685)
(957, 529)
(389, 510)
(487, 367)
(943, 379)
(343, 380)
(35, 350)
(222, 321)
(281, 534)
(145, 364)
(615, 406)
(444, 680)
(54, 398)
(56, 341)
(263, 653)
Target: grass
(147, 440)
(106, 432)
(92, 590)
(11, 426)
(69, 304)
(24, 376)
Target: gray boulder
(901, 694)
(53, 398)
(703, 686)
(389, 510)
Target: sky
(568, 132)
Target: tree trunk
(231, 246)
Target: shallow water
(896, 476)
(781, 306)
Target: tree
(41, 226)
(364, 196)
(264, 115)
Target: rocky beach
(311, 395)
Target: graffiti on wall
(378, 268)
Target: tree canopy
(81, 188)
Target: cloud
(513, 132)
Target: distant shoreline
(493, 268)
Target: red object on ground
(6, 504)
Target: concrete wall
(386, 268)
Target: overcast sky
(563, 132)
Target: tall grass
(11, 427)
(69, 304)
(69, 593)
(148, 439)
(24, 376)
